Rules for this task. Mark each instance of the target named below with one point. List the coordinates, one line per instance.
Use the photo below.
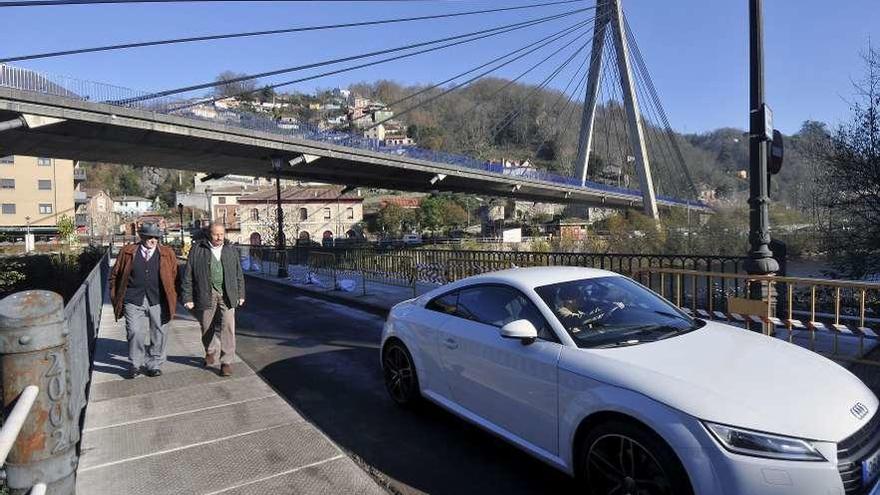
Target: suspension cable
(247, 34)
(248, 77)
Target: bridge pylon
(609, 16)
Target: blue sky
(697, 50)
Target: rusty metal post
(33, 351)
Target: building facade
(132, 205)
(311, 213)
(96, 217)
(35, 192)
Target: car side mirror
(520, 329)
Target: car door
(512, 385)
(427, 322)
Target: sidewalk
(192, 431)
(380, 298)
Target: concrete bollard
(33, 351)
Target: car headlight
(764, 444)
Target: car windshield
(614, 312)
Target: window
(327, 214)
(7, 183)
(9, 208)
(255, 214)
(221, 200)
(44, 162)
(349, 213)
(44, 185)
(7, 159)
(45, 208)
(444, 304)
(303, 214)
(497, 306)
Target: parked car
(607, 381)
(412, 239)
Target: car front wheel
(625, 458)
(399, 372)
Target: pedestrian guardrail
(46, 355)
(837, 318)
(386, 269)
(459, 268)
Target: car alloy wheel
(400, 374)
(617, 464)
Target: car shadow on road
(428, 450)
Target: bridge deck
(192, 431)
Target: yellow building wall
(27, 198)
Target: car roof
(532, 277)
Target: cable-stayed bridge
(609, 107)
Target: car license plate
(871, 467)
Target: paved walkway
(192, 431)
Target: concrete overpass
(92, 131)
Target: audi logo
(859, 410)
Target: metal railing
(440, 266)
(837, 318)
(68, 87)
(12, 427)
(43, 340)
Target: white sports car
(607, 381)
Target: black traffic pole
(280, 244)
(760, 259)
(180, 212)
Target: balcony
(79, 175)
(80, 197)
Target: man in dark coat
(213, 286)
(143, 289)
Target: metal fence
(47, 346)
(837, 318)
(441, 266)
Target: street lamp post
(280, 242)
(760, 259)
(180, 212)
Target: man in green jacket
(214, 282)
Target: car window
(497, 306)
(614, 311)
(443, 304)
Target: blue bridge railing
(207, 110)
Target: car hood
(732, 376)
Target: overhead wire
(474, 69)
(55, 3)
(508, 119)
(472, 79)
(247, 34)
(655, 96)
(248, 77)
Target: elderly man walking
(143, 288)
(213, 285)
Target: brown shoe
(225, 370)
(210, 360)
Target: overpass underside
(100, 132)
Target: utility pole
(280, 244)
(760, 260)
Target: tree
(393, 219)
(241, 90)
(66, 228)
(853, 164)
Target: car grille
(852, 451)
